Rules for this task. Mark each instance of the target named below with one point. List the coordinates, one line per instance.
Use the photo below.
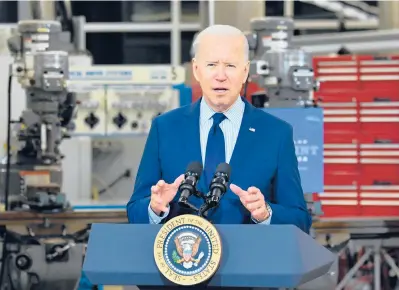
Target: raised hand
(253, 200)
(163, 193)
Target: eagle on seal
(188, 250)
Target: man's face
(221, 69)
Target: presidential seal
(188, 250)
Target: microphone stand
(204, 208)
(207, 206)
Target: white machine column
(44, 9)
(235, 13)
(389, 11)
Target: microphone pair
(217, 187)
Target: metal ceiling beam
(357, 42)
(341, 9)
(363, 6)
(331, 24)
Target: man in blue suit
(265, 185)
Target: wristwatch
(268, 208)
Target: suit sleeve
(290, 205)
(148, 174)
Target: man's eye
(230, 65)
(211, 64)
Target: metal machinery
(284, 70)
(33, 176)
(45, 226)
(283, 77)
(110, 102)
(123, 100)
(42, 69)
(28, 231)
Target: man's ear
(195, 69)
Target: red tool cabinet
(360, 97)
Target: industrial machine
(32, 175)
(285, 71)
(123, 100)
(42, 70)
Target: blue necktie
(215, 151)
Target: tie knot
(218, 118)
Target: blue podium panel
(252, 256)
(309, 139)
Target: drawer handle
(381, 182)
(382, 99)
(383, 141)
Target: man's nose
(220, 74)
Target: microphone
(218, 185)
(188, 186)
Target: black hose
(66, 18)
(4, 256)
(4, 253)
(8, 165)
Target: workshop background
(345, 119)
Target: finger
(250, 198)
(158, 202)
(161, 183)
(253, 190)
(155, 189)
(178, 180)
(238, 190)
(156, 199)
(254, 205)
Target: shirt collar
(234, 113)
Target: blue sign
(309, 139)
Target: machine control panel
(115, 100)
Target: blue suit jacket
(264, 158)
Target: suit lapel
(245, 139)
(192, 126)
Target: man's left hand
(253, 200)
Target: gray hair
(219, 29)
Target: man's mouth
(220, 90)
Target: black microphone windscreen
(224, 168)
(195, 167)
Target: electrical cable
(8, 144)
(4, 253)
(65, 12)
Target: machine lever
(59, 250)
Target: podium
(275, 256)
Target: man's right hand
(163, 193)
